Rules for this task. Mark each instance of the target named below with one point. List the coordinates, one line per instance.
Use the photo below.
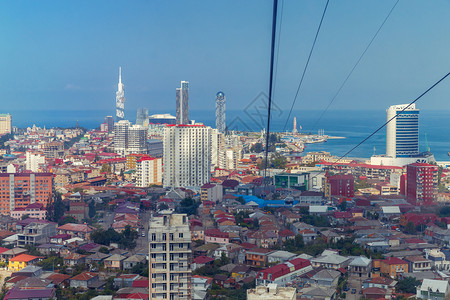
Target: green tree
(407, 285)
(410, 228)
(278, 161)
(188, 206)
(67, 219)
(104, 250)
(257, 148)
(56, 209)
(343, 205)
(92, 211)
(240, 199)
(105, 168)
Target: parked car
(353, 291)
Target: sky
(66, 54)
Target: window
(164, 236)
(153, 236)
(171, 236)
(180, 235)
(180, 245)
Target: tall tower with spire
(120, 99)
(294, 130)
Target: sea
(352, 125)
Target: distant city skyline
(74, 64)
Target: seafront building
(162, 119)
(402, 138)
(182, 103)
(170, 256)
(5, 123)
(187, 155)
(402, 133)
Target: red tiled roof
(24, 258)
(203, 259)
(394, 261)
(84, 276)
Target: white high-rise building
(34, 161)
(402, 138)
(129, 138)
(182, 103)
(402, 133)
(170, 256)
(217, 148)
(149, 171)
(5, 123)
(187, 155)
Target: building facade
(34, 161)
(421, 183)
(170, 256)
(402, 133)
(187, 155)
(109, 122)
(129, 138)
(5, 123)
(182, 102)
(18, 190)
(149, 171)
(220, 112)
(142, 117)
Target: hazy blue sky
(66, 54)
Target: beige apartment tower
(170, 256)
(5, 123)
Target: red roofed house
(417, 219)
(216, 236)
(83, 280)
(393, 266)
(20, 261)
(76, 230)
(285, 235)
(34, 210)
(200, 261)
(282, 274)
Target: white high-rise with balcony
(170, 256)
(187, 155)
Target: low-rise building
(361, 267)
(20, 261)
(418, 263)
(330, 260)
(393, 266)
(271, 292)
(284, 273)
(433, 289)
